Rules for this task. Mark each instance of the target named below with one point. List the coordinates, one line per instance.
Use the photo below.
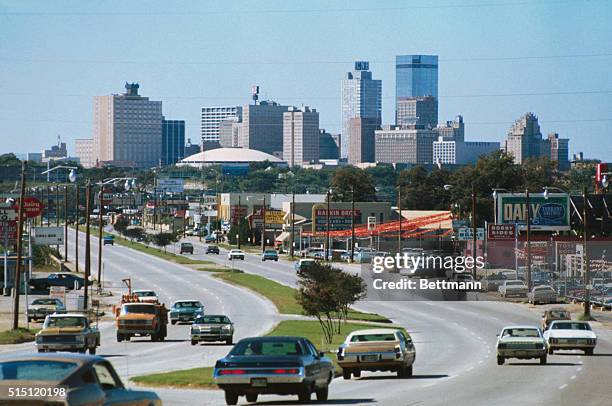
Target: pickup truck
(67, 332)
(70, 281)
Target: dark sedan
(69, 379)
(212, 249)
(274, 365)
(70, 281)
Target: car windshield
(559, 314)
(65, 322)
(270, 252)
(267, 348)
(145, 293)
(359, 338)
(187, 244)
(212, 320)
(35, 370)
(521, 332)
(187, 305)
(514, 283)
(44, 302)
(137, 308)
(570, 326)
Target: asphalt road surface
(455, 343)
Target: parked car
(274, 365)
(235, 254)
(74, 379)
(542, 294)
(212, 249)
(377, 350)
(491, 283)
(212, 328)
(146, 295)
(66, 279)
(303, 263)
(522, 342)
(42, 307)
(570, 335)
(108, 240)
(67, 332)
(514, 287)
(185, 310)
(186, 248)
(551, 315)
(269, 255)
(210, 238)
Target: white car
(542, 294)
(522, 342)
(514, 287)
(235, 254)
(570, 335)
(146, 296)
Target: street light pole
(352, 223)
(585, 253)
(327, 248)
(263, 230)
(291, 248)
(21, 218)
(528, 235)
(76, 228)
(66, 223)
(100, 227)
(399, 209)
(87, 243)
(474, 229)
(239, 219)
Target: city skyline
(490, 81)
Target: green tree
(135, 233)
(344, 179)
(242, 230)
(121, 224)
(162, 240)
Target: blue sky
(498, 60)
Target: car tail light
(291, 371)
(232, 372)
(398, 352)
(340, 354)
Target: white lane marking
(469, 369)
(573, 377)
(579, 369)
(480, 362)
(563, 386)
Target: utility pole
(66, 223)
(585, 253)
(154, 208)
(474, 229)
(48, 206)
(100, 228)
(21, 218)
(399, 209)
(528, 235)
(87, 243)
(263, 230)
(239, 220)
(56, 206)
(291, 248)
(76, 228)
(352, 223)
(327, 248)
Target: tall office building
(300, 136)
(329, 145)
(559, 151)
(525, 139)
(457, 152)
(211, 118)
(229, 131)
(127, 129)
(416, 75)
(452, 130)
(361, 134)
(262, 127)
(404, 144)
(83, 149)
(421, 110)
(173, 141)
(361, 98)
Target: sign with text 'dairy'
(550, 213)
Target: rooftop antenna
(255, 93)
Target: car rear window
(521, 332)
(36, 370)
(267, 348)
(44, 302)
(65, 322)
(212, 320)
(359, 338)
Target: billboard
(170, 185)
(501, 232)
(339, 219)
(547, 214)
(466, 234)
(274, 219)
(48, 235)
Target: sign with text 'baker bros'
(550, 213)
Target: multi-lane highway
(455, 343)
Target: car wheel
(119, 337)
(41, 350)
(500, 360)
(543, 360)
(193, 342)
(173, 322)
(551, 350)
(588, 351)
(231, 398)
(346, 374)
(251, 397)
(92, 350)
(276, 260)
(229, 341)
(322, 394)
(357, 373)
(304, 395)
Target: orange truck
(135, 318)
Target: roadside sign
(58, 292)
(550, 213)
(9, 228)
(371, 223)
(501, 232)
(465, 234)
(48, 235)
(107, 197)
(7, 214)
(32, 207)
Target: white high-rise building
(83, 148)
(300, 136)
(361, 98)
(212, 117)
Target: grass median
(201, 378)
(20, 335)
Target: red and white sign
(10, 228)
(501, 232)
(32, 207)
(107, 197)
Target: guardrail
(597, 302)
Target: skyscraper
(361, 98)
(300, 136)
(173, 141)
(422, 110)
(525, 139)
(361, 134)
(416, 75)
(127, 129)
(559, 151)
(83, 148)
(211, 118)
(404, 144)
(262, 127)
